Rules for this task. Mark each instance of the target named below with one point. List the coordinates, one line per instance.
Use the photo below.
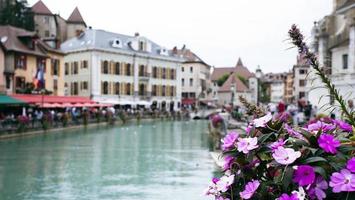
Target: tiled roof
(103, 40)
(233, 79)
(10, 41)
(76, 17)
(188, 55)
(41, 8)
(240, 69)
(346, 4)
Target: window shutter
(132, 89)
(167, 90)
(102, 66)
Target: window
(163, 91)
(183, 82)
(191, 69)
(46, 19)
(75, 88)
(117, 68)
(8, 82)
(46, 33)
(303, 71)
(302, 83)
(155, 72)
(55, 67)
(182, 69)
(84, 85)
(41, 64)
(141, 45)
(105, 88)
(84, 64)
(128, 69)
(164, 73)
(345, 61)
(76, 68)
(105, 67)
(55, 84)
(117, 88)
(141, 70)
(128, 89)
(172, 74)
(66, 70)
(20, 62)
(172, 91)
(20, 82)
(191, 82)
(141, 90)
(154, 90)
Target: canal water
(154, 160)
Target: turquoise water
(155, 160)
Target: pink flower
(250, 189)
(273, 146)
(328, 143)
(316, 190)
(262, 121)
(304, 175)
(315, 127)
(229, 140)
(247, 144)
(351, 165)
(343, 181)
(248, 129)
(343, 125)
(228, 162)
(288, 197)
(224, 183)
(285, 156)
(293, 133)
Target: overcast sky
(218, 31)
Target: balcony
(144, 76)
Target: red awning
(188, 101)
(34, 99)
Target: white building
(300, 71)
(334, 42)
(277, 89)
(122, 70)
(195, 78)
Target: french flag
(39, 79)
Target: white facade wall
(277, 91)
(94, 76)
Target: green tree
(222, 79)
(17, 13)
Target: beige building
(122, 70)
(195, 78)
(289, 97)
(52, 28)
(23, 54)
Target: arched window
(128, 89)
(105, 87)
(117, 88)
(128, 69)
(141, 89)
(117, 68)
(105, 71)
(155, 72)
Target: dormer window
(117, 43)
(141, 45)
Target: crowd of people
(37, 118)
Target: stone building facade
(122, 70)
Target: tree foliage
(222, 79)
(17, 13)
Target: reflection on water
(156, 160)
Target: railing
(144, 74)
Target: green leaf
(264, 137)
(320, 171)
(314, 159)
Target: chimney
(175, 50)
(136, 34)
